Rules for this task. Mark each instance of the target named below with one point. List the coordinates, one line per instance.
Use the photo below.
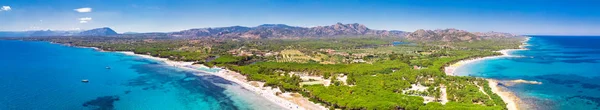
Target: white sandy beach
(508, 97)
(449, 70)
(254, 86)
(288, 101)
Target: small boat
(107, 67)
(85, 81)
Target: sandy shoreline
(284, 100)
(267, 93)
(508, 97)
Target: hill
(44, 33)
(267, 31)
(493, 34)
(453, 35)
(285, 31)
(98, 32)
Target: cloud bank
(84, 10)
(85, 20)
(5, 8)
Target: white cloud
(5, 8)
(85, 20)
(83, 10)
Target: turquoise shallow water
(568, 67)
(45, 76)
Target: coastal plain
(370, 69)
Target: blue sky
(568, 17)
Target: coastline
(267, 93)
(285, 100)
(508, 97)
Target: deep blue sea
(567, 66)
(45, 76)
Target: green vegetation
(378, 85)
(364, 73)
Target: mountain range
(283, 31)
(41, 33)
(446, 35)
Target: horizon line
(294, 26)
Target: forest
(363, 72)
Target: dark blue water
(44, 76)
(567, 66)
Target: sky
(530, 17)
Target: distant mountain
(130, 33)
(275, 26)
(285, 31)
(98, 32)
(446, 35)
(93, 32)
(52, 33)
(340, 29)
(258, 32)
(37, 33)
(212, 32)
(450, 35)
(13, 34)
(398, 33)
(493, 34)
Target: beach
(293, 101)
(508, 97)
(284, 100)
(129, 82)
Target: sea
(46, 76)
(567, 66)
